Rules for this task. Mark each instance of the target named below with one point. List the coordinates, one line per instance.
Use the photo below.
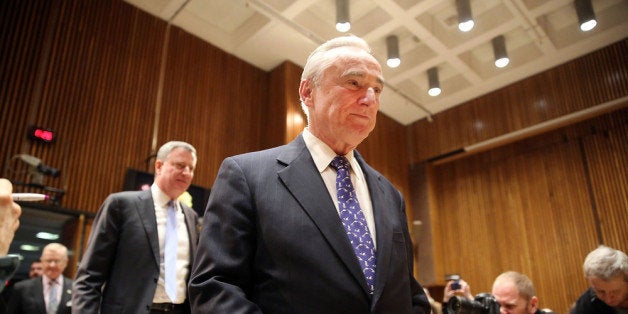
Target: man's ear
(158, 165)
(533, 305)
(305, 91)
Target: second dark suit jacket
(272, 242)
(27, 297)
(120, 267)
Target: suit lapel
(192, 232)
(39, 291)
(66, 295)
(146, 210)
(303, 180)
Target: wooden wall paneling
(212, 100)
(527, 207)
(606, 154)
(99, 96)
(296, 120)
(284, 114)
(596, 78)
(278, 106)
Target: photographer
(515, 293)
(512, 293)
(606, 270)
(455, 287)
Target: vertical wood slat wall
(527, 207)
(99, 72)
(99, 85)
(593, 79)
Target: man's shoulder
(26, 283)
(588, 303)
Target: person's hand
(9, 216)
(464, 291)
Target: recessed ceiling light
(28, 247)
(47, 236)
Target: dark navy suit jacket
(272, 242)
(28, 297)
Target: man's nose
(369, 97)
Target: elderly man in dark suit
(49, 293)
(309, 227)
(142, 244)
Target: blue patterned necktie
(170, 252)
(353, 220)
(53, 301)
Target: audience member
(515, 294)
(126, 266)
(49, 293)
(606, 270)
(435, 306)
(10, 213)
(273, 239)
(459, 288)
(513, 291)
(36, 269)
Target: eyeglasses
(50, 261)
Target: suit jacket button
(155, 280)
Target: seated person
(606, 270)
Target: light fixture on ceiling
(392, 46)
(47, 235)
(29, 248)
(342, 16)
(586, 16)
(465, 18)
(499, 50)
(434, 84)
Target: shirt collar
(46, 280)
(159, 197)
(323, 154)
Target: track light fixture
(342, 16)
(465, 18)
(392, 46)
(499, 50)
(432, 77)
(586, 16)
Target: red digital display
(41, 134)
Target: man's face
(36, 270)
(510, 301)
(343, 105)
(174, 175)
(613, 292)
(54, 263)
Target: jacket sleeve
(95, 265)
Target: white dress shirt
(323, 155)
(183, 247)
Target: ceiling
(539, 34)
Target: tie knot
(340, 162)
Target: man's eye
(353, 83)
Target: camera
(483, 303)
(455, 285)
